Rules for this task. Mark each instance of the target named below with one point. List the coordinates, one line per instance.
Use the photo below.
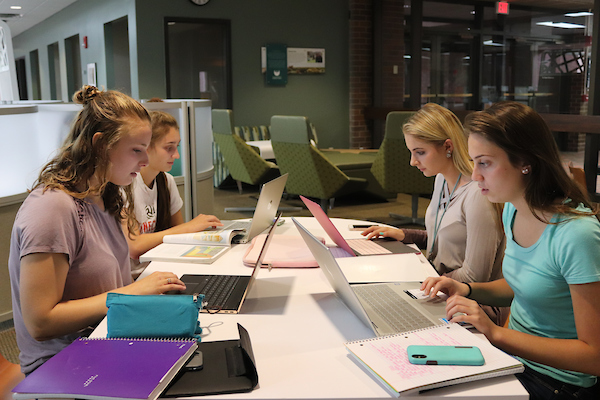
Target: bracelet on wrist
(470, 290)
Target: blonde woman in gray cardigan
(463, 237)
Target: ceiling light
(560, 25)
(491, 43)
(15, 7)
(579, 14)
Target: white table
(298, 326)
(265, 147)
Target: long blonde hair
(436, 124)
(71, 171)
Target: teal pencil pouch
(153, 316)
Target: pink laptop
(355, 247)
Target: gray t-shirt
(55, 222)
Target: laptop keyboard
(218, 289)
(394, 309)
(367, 247)
(338, 252)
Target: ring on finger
(168, 280)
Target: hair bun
(86, 94)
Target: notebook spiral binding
(400, 334)
(142, 339)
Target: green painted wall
(324, 99)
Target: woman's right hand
(155, 283)
(204, 221)
(376, 231)
(446, 285)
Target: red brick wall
(361, 71)
(362, 64)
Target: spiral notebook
(386, 359)
(108, 369)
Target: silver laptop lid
(266, 208)
(261, 257)
(334, 274)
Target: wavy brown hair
(162, 123)
(111, 113)
(527, 140)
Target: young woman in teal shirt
(551, 266)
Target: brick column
(361, 71)
(376, 64)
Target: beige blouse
(469, 247)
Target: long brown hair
(109, 112)
(162, 123)
(527, 140)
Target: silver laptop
(266, 209)
(386, 308)
(226, 293)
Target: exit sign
(502, 7)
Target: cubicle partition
(31, 133)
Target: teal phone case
(445, 355)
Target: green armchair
(243, 161)
(393, 171)
(311, 174)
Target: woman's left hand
(461, 309)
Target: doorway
(118, 69)
(199, 60)
(73, 57)
(54, 71)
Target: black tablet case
(229, 367)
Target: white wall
(83, 18)
(8, 76)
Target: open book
(201, 247)
(386, 358)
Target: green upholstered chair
(311, 174)
(393, 171)
(243, 161)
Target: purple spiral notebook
(108, 369)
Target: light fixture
(491, 43)
(579, 14)
(564, 25)
(15, 7)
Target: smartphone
(196, 362)
(445, 355)
(359, 227)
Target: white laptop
(264, 214)
(386, 308)
(226, 293)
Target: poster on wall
(276, 56)
(300, 60)
(4, 65)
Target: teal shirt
(540, 275)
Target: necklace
(437, 224)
